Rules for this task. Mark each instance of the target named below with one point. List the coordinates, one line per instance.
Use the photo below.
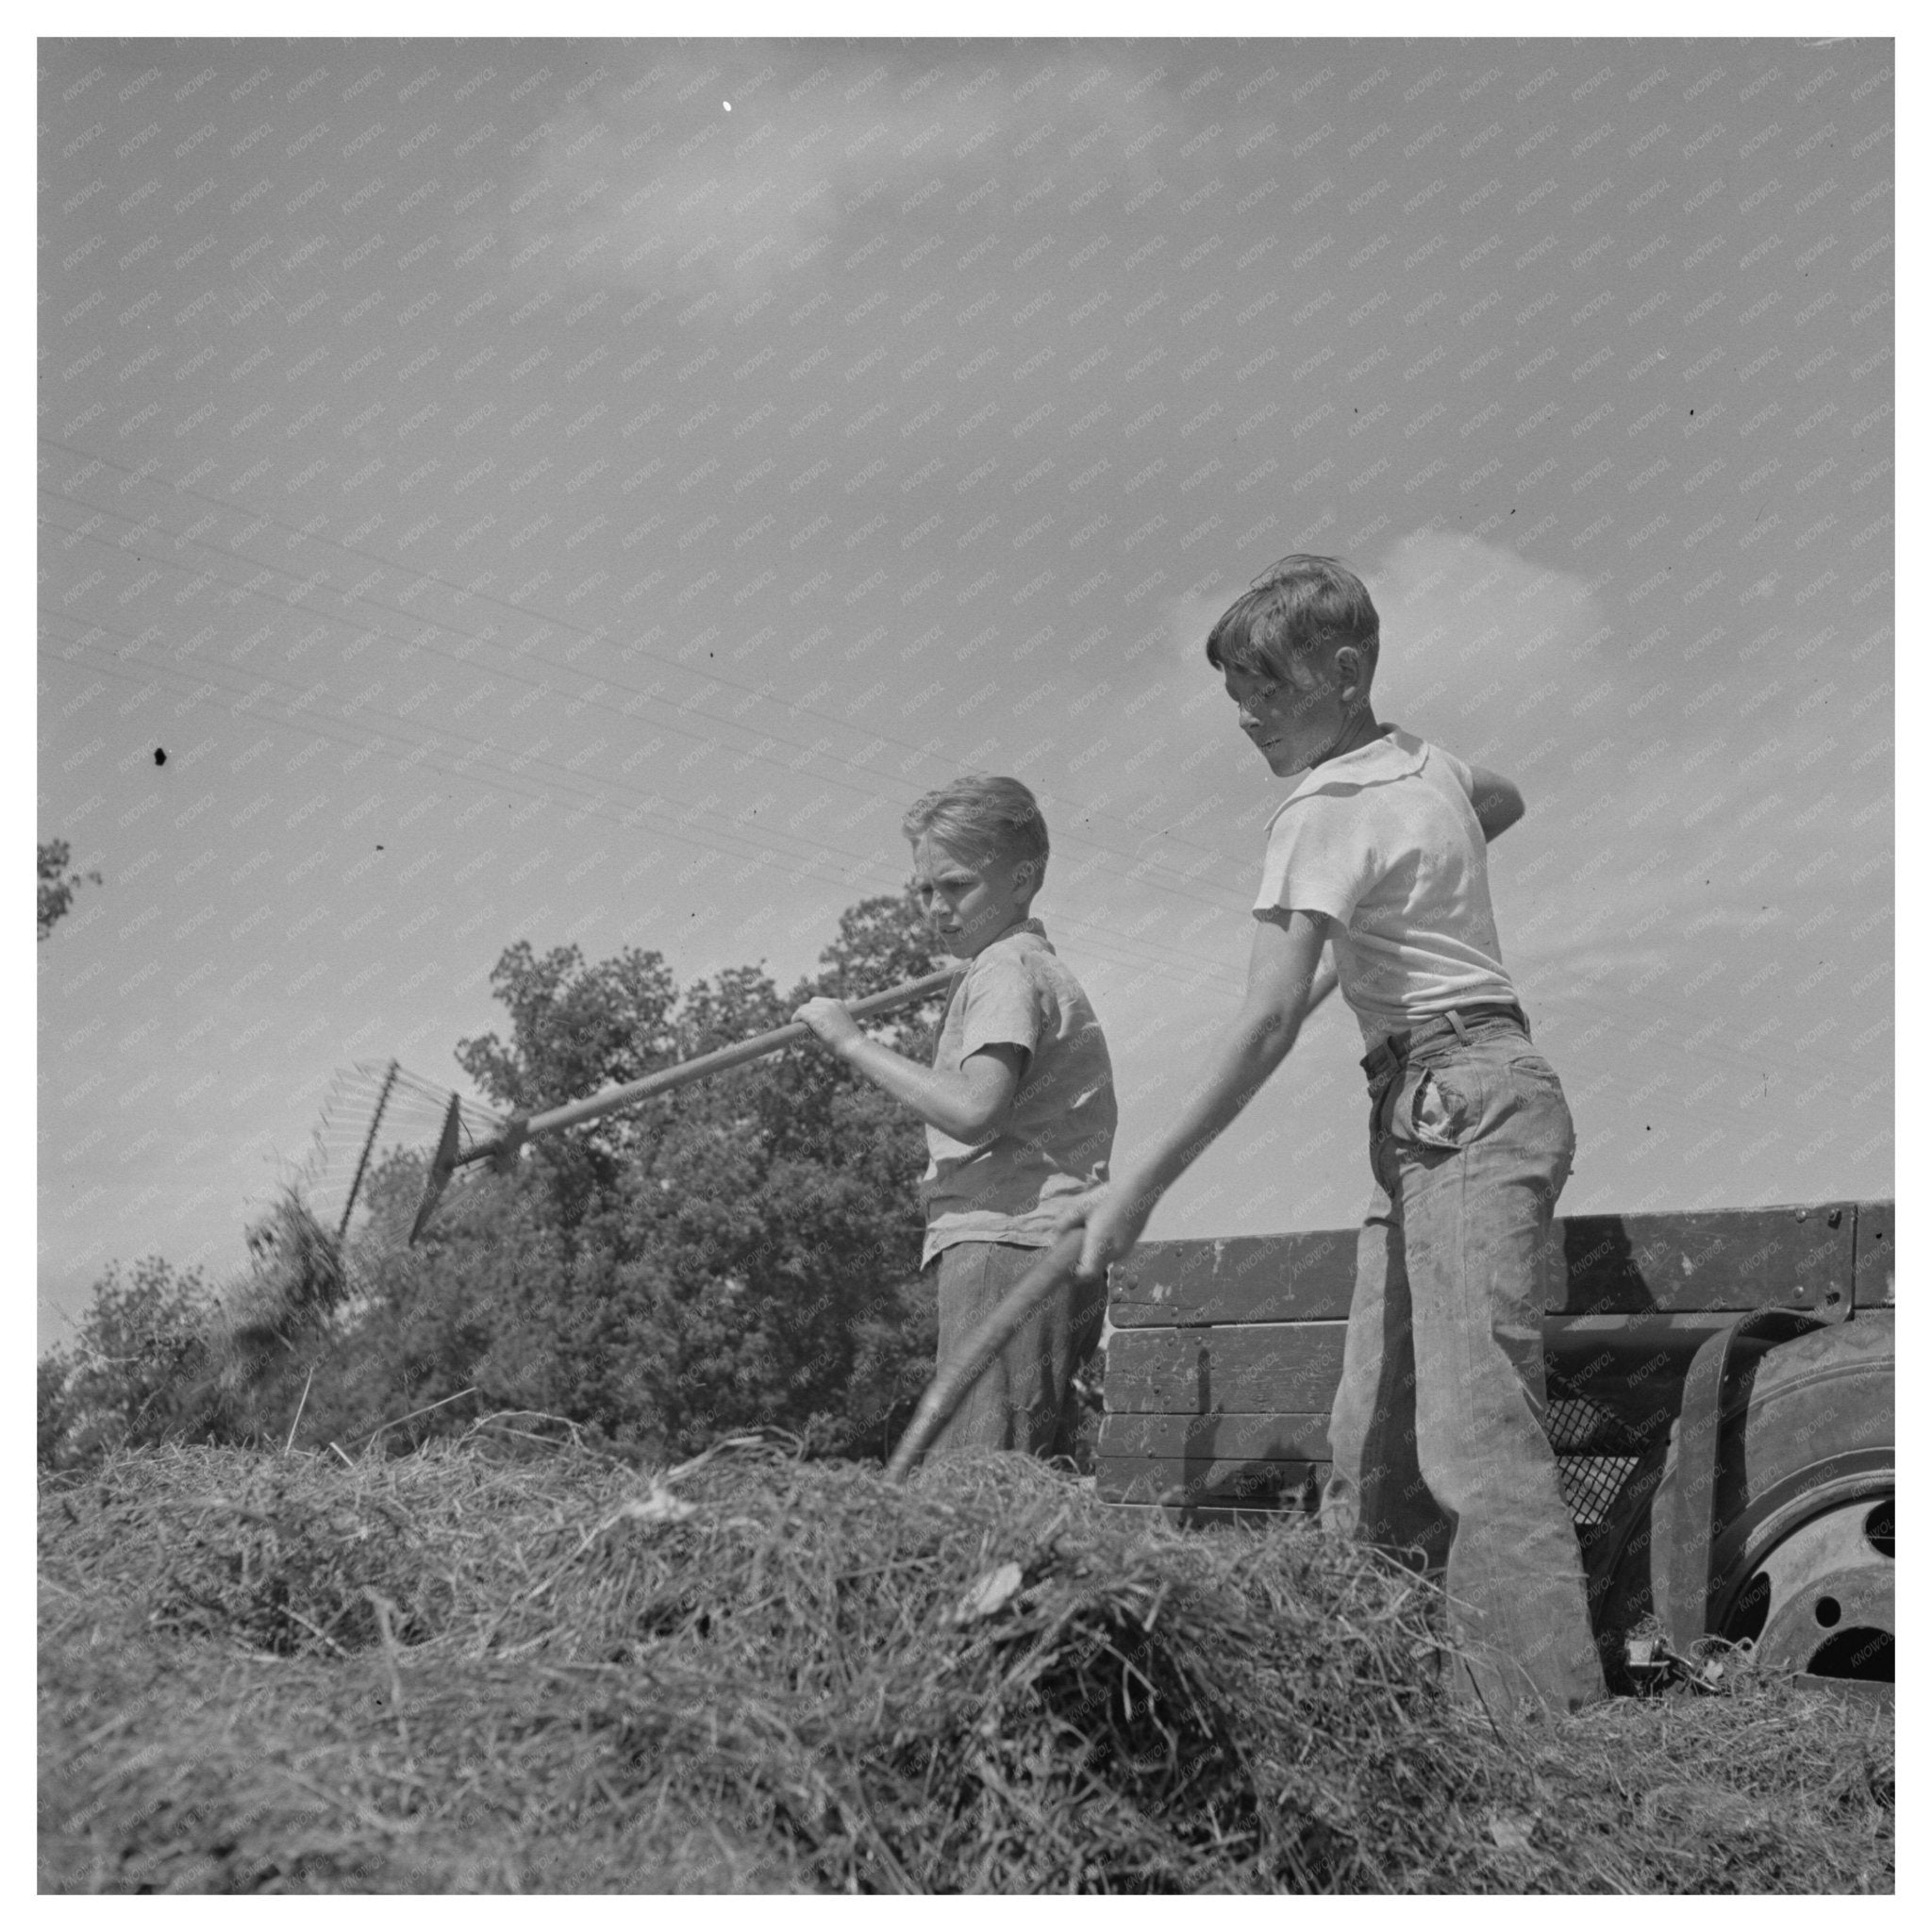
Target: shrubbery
(139, 1371)
(742, 1251)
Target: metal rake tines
(373, 1109)
(420, 1105)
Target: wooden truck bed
(1223, 1355)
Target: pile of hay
(467, 1672)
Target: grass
(507, 1666)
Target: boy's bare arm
(1285, 980)
(971, 1105)
(1497, 802)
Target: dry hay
(463, 1672)
(295, 1281)
(296, 1276)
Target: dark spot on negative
(160, 757)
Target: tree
(881, 942)
(57, 884)
(139, 1371)
(573, 1028)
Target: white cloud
(1477, 637)
(649, 182)
(1191, 617)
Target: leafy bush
(140, 1369)
(58, 885)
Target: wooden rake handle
(959, 1373)
(667, 1079)
(502, 1149)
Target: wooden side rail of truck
(1720, 1404)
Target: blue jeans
(1437, 1433)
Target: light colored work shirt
(1385, 842)
(1060, 1134)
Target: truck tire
(1802, 1550)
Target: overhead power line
(788, 852)
(470, 594)
(424, 643)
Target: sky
(581, 493)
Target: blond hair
(982, 817)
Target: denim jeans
(1025, 1399)
(1437, 1433)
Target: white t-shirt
(1057, 1138)
(1385, 840)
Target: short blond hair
(981, 817)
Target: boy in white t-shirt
(1379, 849)
(1018, 1105)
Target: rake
(501, 1148)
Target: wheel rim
(1822, 1601)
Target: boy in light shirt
(1379, 847)
(1018, 1105)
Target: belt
(1396, 1048)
